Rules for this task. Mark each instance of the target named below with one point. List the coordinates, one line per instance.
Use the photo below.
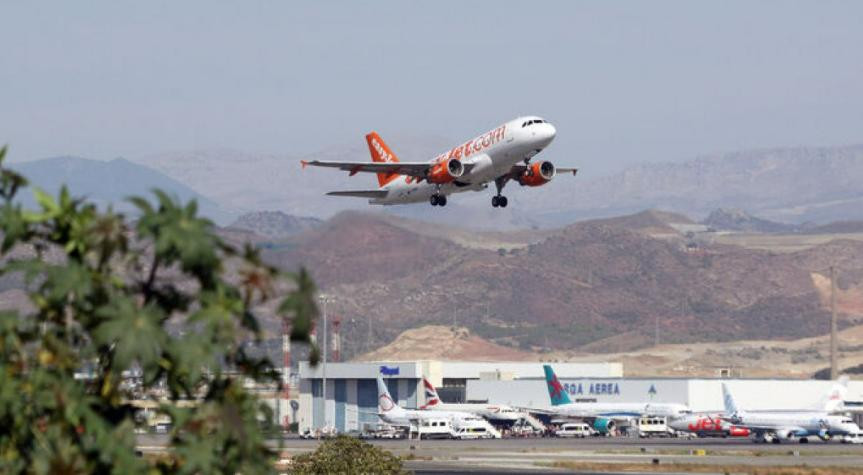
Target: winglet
(304, 164)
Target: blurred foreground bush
(101, 306)
(345, 454)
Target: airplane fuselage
(488, 156)
(619, 410)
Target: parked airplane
(492, 412)
(712, 424)
(395, 415)
(778, 426)
(604, 414)
(707, 425)
(497, 156)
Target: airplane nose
(545, 134)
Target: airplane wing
(417, 169)
(360, 193)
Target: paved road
(530, 455)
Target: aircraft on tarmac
(604, 414)
(497, 156)
(492, 412)
(393, 414)
(777, 426)
(707, 425)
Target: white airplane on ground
(395, 415)
(492, 412)
(787, 425)
(497, 156)
(604, 414)
(716, 424)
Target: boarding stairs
(532, 421)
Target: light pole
(324, 299)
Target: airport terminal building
(351, 389)
(349, 402)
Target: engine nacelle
(537, 174)
(736, 431)
(603, 426)
(445, 171)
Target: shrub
(101, 306)
(347, 455)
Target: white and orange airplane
(497, 156)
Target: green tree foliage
(102, 303)
(347, 455)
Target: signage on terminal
(387, 371)
(595, 389)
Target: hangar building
(351, 394)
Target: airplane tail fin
(728, 400)
(385, 401)
(381, 152)
(834, 400)
(432, 398)
(555, 390)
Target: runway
(598, 454)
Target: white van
(574, 429)
(435, 428)
(474, 428)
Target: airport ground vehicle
(852, 438)
(435, 428)
(653, 426)
(574, 429)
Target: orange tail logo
(381, 153)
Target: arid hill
(597, 286)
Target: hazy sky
(625, 82)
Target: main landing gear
(499, 200)
(437, 200)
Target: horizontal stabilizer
(360, 193)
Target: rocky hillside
(274, 224)
(596, 285)
(727, 219)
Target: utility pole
(324, 299)
(834, 344)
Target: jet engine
(603, 426)
(537, 174)
(445, 171)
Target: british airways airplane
(497, 156)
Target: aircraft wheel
(495, 201)
(502, 202)
(434, 200)
(441, 200)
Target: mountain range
(598, 285)
(788, 186)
